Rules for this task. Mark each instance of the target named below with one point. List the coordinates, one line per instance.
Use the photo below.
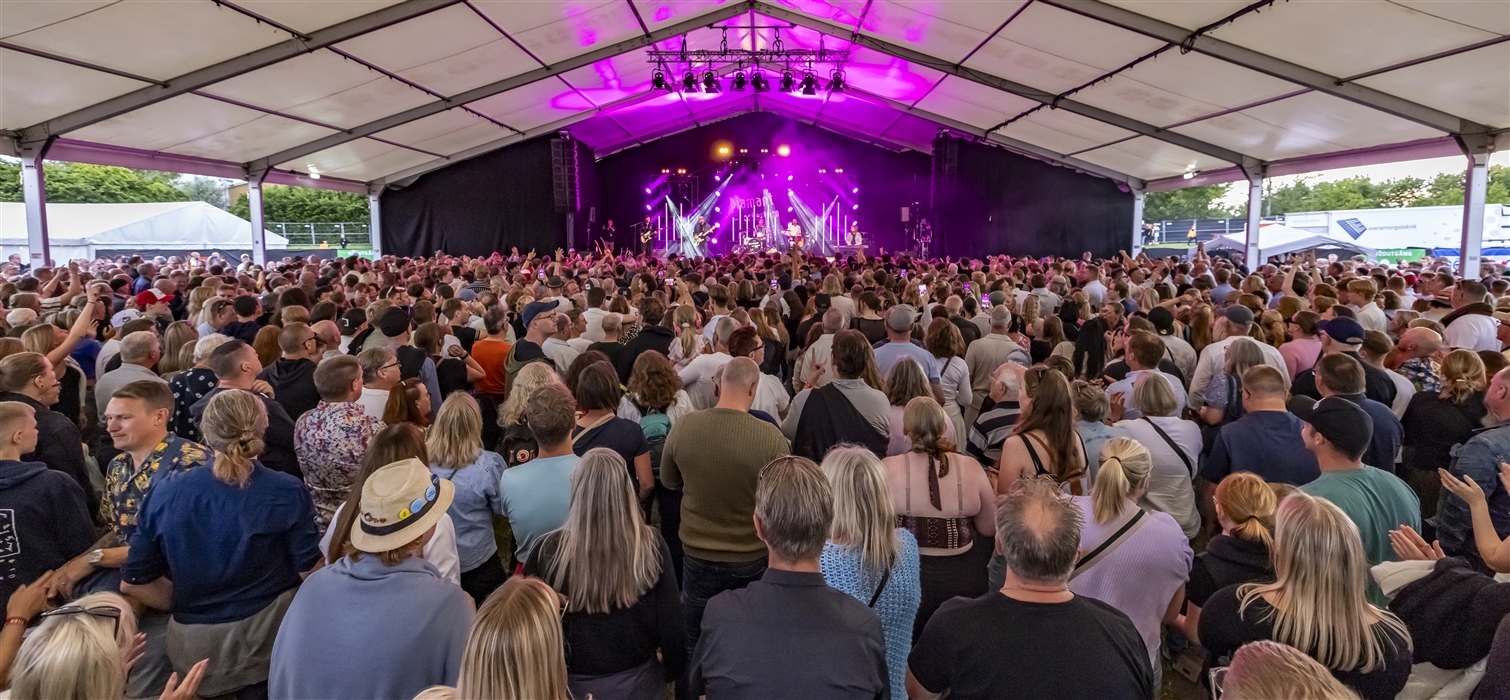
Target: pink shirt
(1300, 354)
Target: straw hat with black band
(400, 502)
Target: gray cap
(998, 298)
(1240, 315)
(901, 317)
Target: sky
(1424, 169)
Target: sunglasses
(113, 614)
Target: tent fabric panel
(1339, 121)
(1063, 132)
(540, 102)
(1148, 158)
(1048, 63)
(1473, 85)
(362, 159)
(298, 81)
(612, 79)
(858, 112)
(472, 68)
(34, 89)
(894, 78)
(305, 16)
(363, 103)
(946, 30)
(1489, 16)
(553, 31)
(153, 39)
(1173, 88)
(1347, 38)
(973, 103)
(1097, 44)
(413, 43)
(21, 17)
(258, 137)
(166, 124)
(652, 114)
(446, 133)
(598, 131)
(660, 13)
(912, 129)
(1249, 134)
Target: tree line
(1361, 192)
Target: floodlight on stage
(836, 81)
(789, 178)
(758, 82)
(809, 84)
(738, 85)
(647, 190)
(689, 82)
(788, 81)
(855, 191)
(658, 81)
(647, 207)
(783, 150)
(710, 82)
(855, 207)
(716, 178)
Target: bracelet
(21, 620)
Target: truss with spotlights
(788, 63)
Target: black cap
(352, 320)
(1343, 423)
(1162, 320)
(821, 302)
(394, 322)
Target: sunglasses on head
(114, 614)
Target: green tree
(72, 183)
(305, 204)
(204, 189)
(1199, 202)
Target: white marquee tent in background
(86, 230)
(1277, 239)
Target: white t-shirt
(697, 378)
(1474, 332)
(771, 396)
(441, 551)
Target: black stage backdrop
(991, 201)
(486, 204)
(887, 180)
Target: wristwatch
(95, 557)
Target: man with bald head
(329, 335)
(1415, 358)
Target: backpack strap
(877, 596)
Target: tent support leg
(1256, 172)
(1137, 222)
(375, 219)
(34, 191)
(1475, 190)
(254, 180)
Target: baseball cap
(821, 302)
(1342, 422)
(152, 296)
(1239, 314)
(901, 317)
(351, 320)
(467, 294)
(124, 316)
(394, 322)
(535, 308)
(1162, 320)
(1342, 329)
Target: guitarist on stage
(700, 233)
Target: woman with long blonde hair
(1201, 327)
(1318, 603)
(515, 649)
(454, 445)
(1044, 441)
(177, 335)
(690, 340)
(518, 443)
(614, 573)
(868, 556)
(1245, 506)
(1435, 421)
(237, 539)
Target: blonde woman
(1437, 421)
(946, 502)
(454, 445)
(868, 556)
(1153, 551)
(1264, 670)
(614, 573)
(253, 541)
(177, 335)
(690, 340)
(1317, 603)
(1245, 506)
(518, 444)
(1175, 459)
(1222, 396)
(515, 650)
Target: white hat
(21, 317)
(400, 502)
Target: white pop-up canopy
(1278, 239)
(80, 230)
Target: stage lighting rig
(758, 82)
(738, 84)
(658, 81)
(788, 81)
(809, 84)
(774, 54)
(689, 82)
(710, 82)
(836, 81)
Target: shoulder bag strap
(1111, 543)
(592, 427)
(1170, 441)
(877, 596)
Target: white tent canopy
(79, 230)
(1277, 239)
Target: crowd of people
(779, 476)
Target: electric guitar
(699, 236)
(647, 235)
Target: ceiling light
(738, 85)
(788, 81)
(836, 81)
(1189, 174)
(710, 82)
(314, 173)
(809, 84)
(658, 81)
(758, 82)
(689, 82)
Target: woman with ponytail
(1152, 550)
(1437, 421)
(690, 341)
(1245, 506)
(223, 549)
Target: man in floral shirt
(332, 438)
(1415, 352)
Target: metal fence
(338, 235)
(1178, 230)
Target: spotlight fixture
(314, 172)
(809, 84)
(836, 81)
(758, 82)
(738, 85)
(689, 82)
(788, 81)
(783, 150)
(710, 82)
(647, 190)
(855, 191)
(658, 81)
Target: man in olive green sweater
(714, 458)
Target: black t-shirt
(524, 351)
(618, 434)
(612, 350)
(451, 375)
(994, 646)
(1227, 561)
(1224, 629)
(873, 328)
(1434, 425)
